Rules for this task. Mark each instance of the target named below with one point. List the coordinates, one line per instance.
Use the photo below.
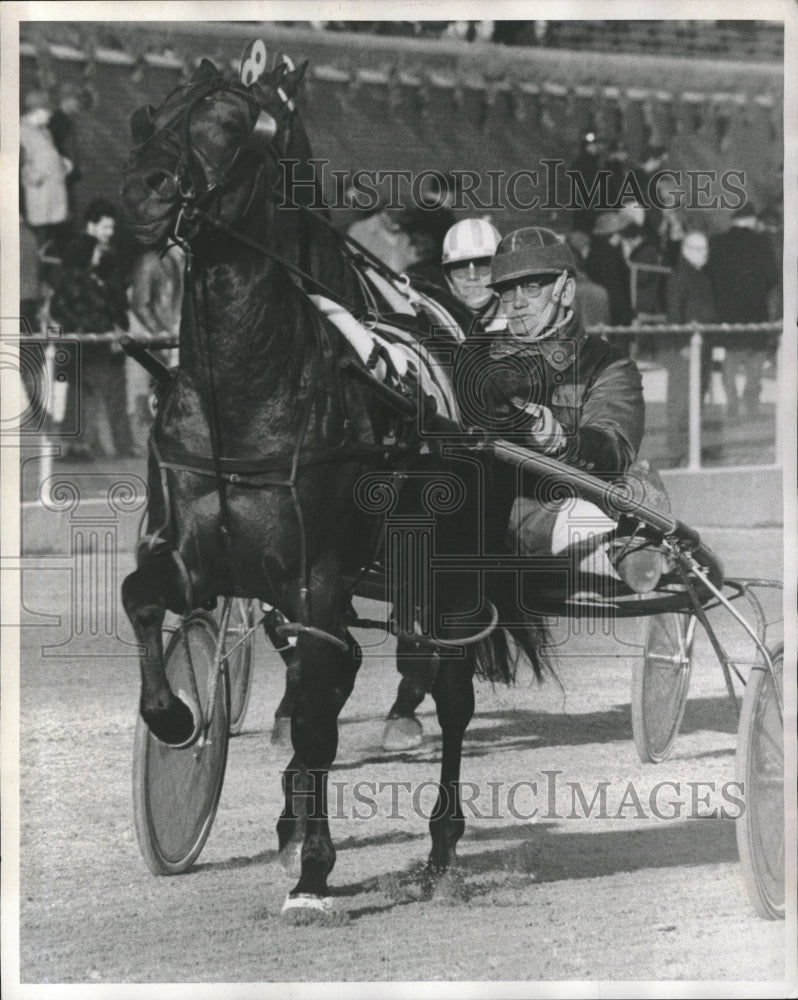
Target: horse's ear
(141, 126)
(293, 77)
(205, 72)
(253, 62)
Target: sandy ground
(555, 897)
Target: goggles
(528, 289)
(480, 268)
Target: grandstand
(379, 102)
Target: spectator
(607, 266)
(380, 231)
(43, 171)
(156, 296)
(62, 129)
(743, 272)
(617, 163)
(29, 291)
(639, 246)
(690, 299)
(428, 222)
(592, 300)
(587, 164)
(653, 160)
(90, 298)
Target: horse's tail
(498, 655)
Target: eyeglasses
(480, 268)
(528, 289)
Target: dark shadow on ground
(544, 852)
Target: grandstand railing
(638, 338)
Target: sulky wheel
(659, 684)
(239, 664)
(176, 792)
(760, 771)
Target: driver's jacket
(592, 388)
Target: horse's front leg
(144, 596)
(453, 691)
(327, 675)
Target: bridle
(188, 185)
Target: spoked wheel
(176, 792)
(659, 684)
(760, 770)
(239, 663)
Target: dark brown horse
(260, 444)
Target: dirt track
(600, 899)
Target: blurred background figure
(592, 300)
(743, 272)
(380, 231)
(617, 163)
(43, 172)
(640, 249)
(587, 164)
(155, 298)
(690, 299)
(63, 130)
(607, 266)
(90, 298)
(29, 288)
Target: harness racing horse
(261, 445)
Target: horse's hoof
(281, 731)
(178, 726)
(307, 908)
(449, 889)
(404, 733)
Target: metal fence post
(694, 435)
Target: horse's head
(211, 146)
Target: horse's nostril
(162, 183)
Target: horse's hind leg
(453, 691)
(402, 729)
(144, 596)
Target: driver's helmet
(528, 252)
(470, 239)
(467, 249)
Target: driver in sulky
(531, 375)
(549, 386)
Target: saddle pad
(394, 356)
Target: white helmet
(469, 240)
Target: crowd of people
(72, 278)
(633, 266)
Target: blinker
(141, 124)
(264, 130)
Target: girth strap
(266, 471)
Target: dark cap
(527, 252)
